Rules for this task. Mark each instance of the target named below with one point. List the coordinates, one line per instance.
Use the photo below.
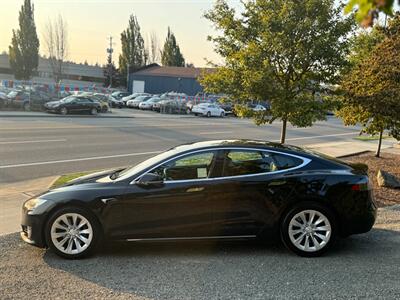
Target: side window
(246, 162)
(284, 162)
(192, 166)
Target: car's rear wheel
(64, 111)
(222, 114)
(308, 229)
(208, 114)
(72, 232)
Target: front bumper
(33, 229)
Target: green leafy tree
(371, 90)
(24, 48)
(171, 54)
(133, 49)
(367, 11)
(281, 51)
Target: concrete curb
(53, 181)
(354, 153)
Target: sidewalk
(11, 198)
(347, 148)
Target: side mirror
(151, 180)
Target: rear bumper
(360, 221)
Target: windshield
(137, 169)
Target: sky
(90, 22)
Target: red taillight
(360, 187)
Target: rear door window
(248, 162)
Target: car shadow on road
(241, 268)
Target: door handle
(195, 189)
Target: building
(155, 79)
(74, 74)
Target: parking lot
(363, 266)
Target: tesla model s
(226, 189)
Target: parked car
(119, 95)
(157, 105)
(115, 103)
(133, 96)
(148, 104)
(74, 104)
(257, 107)
(135, 102)
(103, 99)
(208, 110)
(28, 99)
(215, 189)
(3, 100)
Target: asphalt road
(362, 266)
(38, 147)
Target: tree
(371, 90)
(56, 40)
(133, 50)
(110, 73)
(171, 54)
(368, 10)
(154, 48)
(281, 51)
(24, 48)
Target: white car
(258, 108)
(208, 110)
(148, 104)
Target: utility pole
(110, 51)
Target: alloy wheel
(71, 233)
(310, 230)
(64, 111)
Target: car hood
(92, 177)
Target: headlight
(33, 203)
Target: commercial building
(155, 79)
(73, 74)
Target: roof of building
(156, 70)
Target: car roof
(238, 143)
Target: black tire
(208, 114)
(64, 111)
(96, 228)
(222, 114)
(94, 111)
(27, 107)
(315, 250)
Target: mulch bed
(388, 162)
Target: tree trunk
(283, 131)
(378, 151)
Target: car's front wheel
(94, 111)
(72, 232)
(64, 111)
(308, 229)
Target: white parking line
(76, 159)
(29, 142)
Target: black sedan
(236, 189)
(74, 104)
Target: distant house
(157, 79)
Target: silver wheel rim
(71, 233)
(64, 111)
(310, 230)
(94, 111)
